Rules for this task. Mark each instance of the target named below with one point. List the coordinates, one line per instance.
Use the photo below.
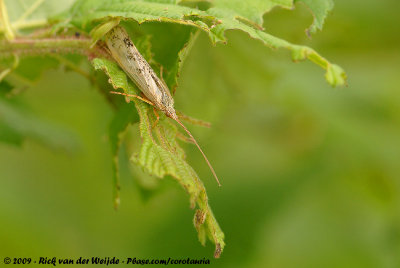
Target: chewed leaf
(250, 10)
(173, 75)
(122, 118)
(223, 15)
(320, 10)
(161, 155)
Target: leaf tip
(335, 75)
(218, 250)
(199, 218)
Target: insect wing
(134, 65)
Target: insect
(155, 90)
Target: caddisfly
(138, 69)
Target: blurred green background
(310, 174)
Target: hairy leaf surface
(222, 16)
(320, 10)
(161, 155)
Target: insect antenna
(201, 151)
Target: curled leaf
(161, 155)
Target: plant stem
(56, 45)
(6, 23)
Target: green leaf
(101, 30)
(32, 13)
(199, 4)
(5, 88)
(251, 11)
(224, 15)
(160, 155)
(16, 124)
(9, 135)
(173, 74)
(125, 115)
(41, 64)
(335, 75)
(320, 10)
(178, 41)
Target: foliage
(164, 31)
(161, 155)
(222, 16)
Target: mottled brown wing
(133, 63)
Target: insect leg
(134, 96)
(157, 117)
